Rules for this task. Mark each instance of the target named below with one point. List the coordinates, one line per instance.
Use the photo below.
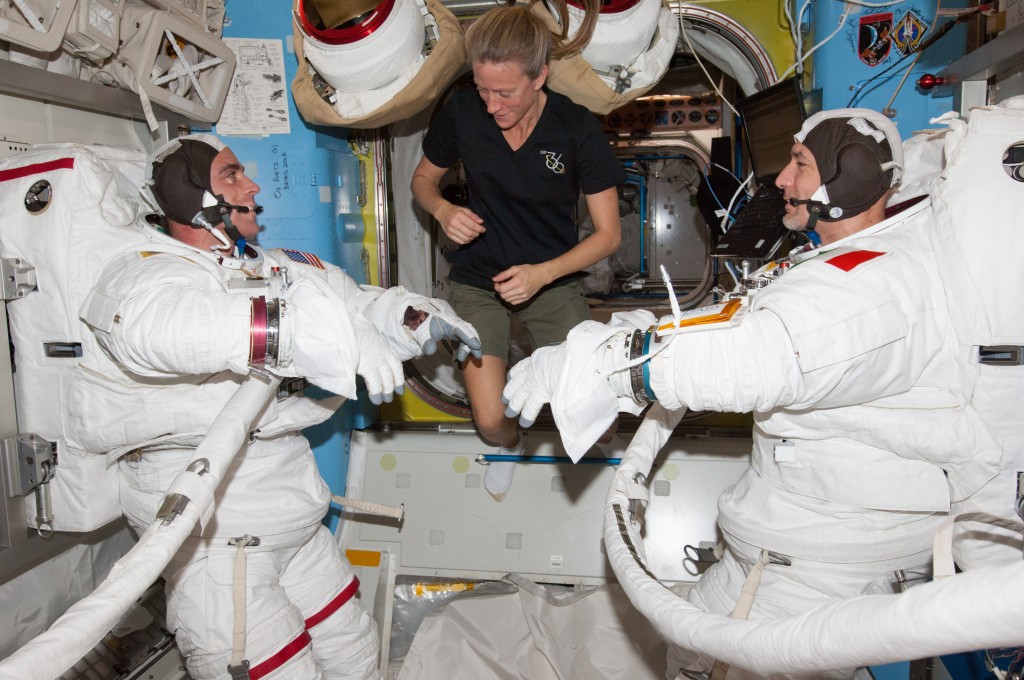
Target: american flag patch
(305, 258)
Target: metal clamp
(246, 541)
(174, 503)
(903, 583)
(623, 76)
(637, 506)
(18, 276)
(30, 461)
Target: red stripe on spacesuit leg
(281, 657)
(37, 169)
(848, 261)
(334, 605)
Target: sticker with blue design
(877, 33)
(909, 32)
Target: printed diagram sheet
(257, 103)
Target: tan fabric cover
(575, 78)
(439, 70)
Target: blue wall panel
(849, 68)
(309, 181)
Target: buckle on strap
(1001, 355)
(239, 672)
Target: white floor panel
(549, 526)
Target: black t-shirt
(527, 198)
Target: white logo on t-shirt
(554, 162)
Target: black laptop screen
(771, 117)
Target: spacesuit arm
(798, 353)
(163, 315)
(586, 379)
(159, 316)
(412, 324)
(750, 367)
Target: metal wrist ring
(636, 376)
(273, 342)
(258, 331)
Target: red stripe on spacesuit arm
(37, 169)
(334, 605)
(281, 657)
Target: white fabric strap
(176, 73)
(147, 105)
(372, 508)
(30, 16)
(238, 592)
(190, 70)
(942, 560)
(743, 605)
(749, 589)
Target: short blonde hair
(510, 34)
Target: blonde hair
(510, 34)
(515, 34)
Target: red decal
(37, 169)
(848, 261)
(281, 657)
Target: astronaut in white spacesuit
(186, 317)
(863, 433)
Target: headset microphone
(812, 205)
(241, 208)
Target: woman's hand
(462, 225)
(520, 283)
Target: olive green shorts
(548, 317)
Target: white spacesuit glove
(324, 347)
(412, 323)
(444, 324)
(532, 383)
(379, 366)
(584, 381)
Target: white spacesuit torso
(857, 456)
(185, 363)
(978, 190)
